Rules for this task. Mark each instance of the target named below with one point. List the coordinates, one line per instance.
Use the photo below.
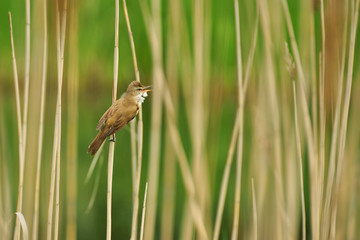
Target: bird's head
(137, 90)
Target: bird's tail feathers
(96, 143)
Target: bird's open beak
(145, 89)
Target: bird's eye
(138, 89)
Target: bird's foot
(113, 139)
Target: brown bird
(119, 114)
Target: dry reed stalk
(314, 111)
(133, 51)
(184, 166)
(25, 115)
(335, 132)
(112, 144)
(143, 213)
(52, 182)
(132, 123)
(133, 156)
(20, 133)
(41, 129)
(316, 208)
(254, 209)
(225, 179)
(179, 150)
(313, 168)
(314, 93)
(335, 138)
(61, 47)
(235, 228)
(275, 115)
(186, 84)
(197, 106)
(187, 225)
(55, 169)
(239, 159)
(57, 187)
(291, 68)
(345, 112)
(304, 105)
(72, 125)
(27, 70)
(23, 224)
(169, 191)
(169, 172)
(259, 150)
(320, 173)
(349, 226)
(155, 36)
(137, 165)
(250, 59)
(109, 189)
(136, 202)
(347, 96)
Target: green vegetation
(223, 139)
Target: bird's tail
(96, 143)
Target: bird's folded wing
(103, 119)
(109, 113)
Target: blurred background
(190, 47)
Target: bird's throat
(141, 98)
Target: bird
(119, 114)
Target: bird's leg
(112, 139)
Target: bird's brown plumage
(118, 115)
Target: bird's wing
(110, 112)
(121, 117)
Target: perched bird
(119, 114)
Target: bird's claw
(113, 139)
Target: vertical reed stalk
(197, 106)
(241, 99)
(57, 187)
(25, 115)
(335, 133)
(143, 213)
(27, 70)
(55, 170)
(184, 166)
(112, 144)
(72, 124)
(20, 136)
(313, 65)
(304, 105)
(138, 164)
(132, 123)
(133, 156)
(156, 117)
(322, 119)
(298, 148)
(275, 115)
(254, 209)
(225, 179)
(169, 165)
(345, 112)
(52, 181)
(41, 129)
(61, 46)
